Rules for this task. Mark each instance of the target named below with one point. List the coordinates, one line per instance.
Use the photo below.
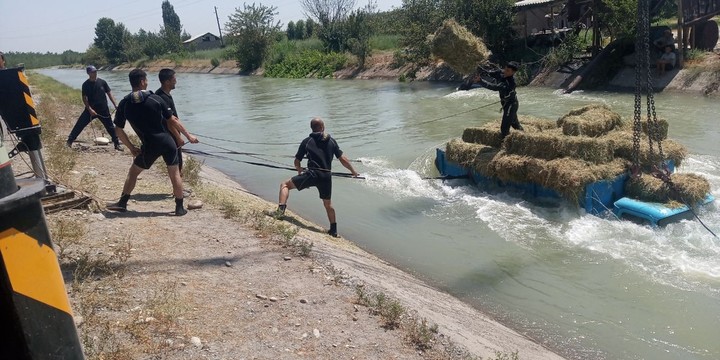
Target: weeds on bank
(59, 159)
(191, 171)
(390, 310)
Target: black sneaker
(118, 147)
(333, 234)
(117, 207)
(180, 211)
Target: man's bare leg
(129, 186)
(331, 216)
(177, 185)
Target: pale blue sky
(56, 25)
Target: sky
(56, 26)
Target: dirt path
(227, 282)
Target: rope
(348, 136)
(203, 153)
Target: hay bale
(460, 49)
(622, 142)
(691, 188)
(591, 120)
(566, 176)
(549, 145)
(483, 160)
(489, 134)
(461, 152)
(662, 131)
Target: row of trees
(300, 30)
(34, 60)
(114, 44)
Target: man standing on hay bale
(504, 83)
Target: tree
(489, 19)
(291, 32)
(359, 31)
(110, 39)
(252, 30)
(617, 16)
(172, 28)
(299, 30)
(330, 14)
(309, 28)
(420, 19)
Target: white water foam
(683, 254)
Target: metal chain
(640, 64)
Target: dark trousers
(509, 118)
(85, 119)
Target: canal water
(587, 287)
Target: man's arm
(87, 106)
(346, 163)
(298, 166)
(177, 126)
(493, 86)
(120, 132)
(112, 99)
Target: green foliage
(111, 39)
(252, 30)
(281, 49)
(299, 30)
(564, 53)
(94, 55)
(386, 22)
(489, 19)
(310, 28)
(290, 32)
(33, 60)
(385, 42)
(695, 54)
(358, 32)
(420, 19)
(215, 62)
(618, 16)
(171, 31)
(307, 63)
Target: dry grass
(591, 120)
(622, 142)
(688, 188)
(549, 145)
(462, 50)
(661, 129)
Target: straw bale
(691, 188)
(460, 49)
(489, 134)
(483, 160)
(461, 152)
(550, 145)
(591, 120)
(566, 176)
(623, 143)
(662, 131)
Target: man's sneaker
(180, 211)
(333, 233)
(117, 207)
(118, 147)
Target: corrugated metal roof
(197, 37)
(526, 3)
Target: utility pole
(219, 31)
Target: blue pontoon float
(599, 198)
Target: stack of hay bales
(586, 145)
(460, 49)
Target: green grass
(58, 90)
(206, 54)
(385, 42)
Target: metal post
(219, 30)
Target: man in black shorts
(167, 84)
(319, 148)
(94, 90)
(149, 116)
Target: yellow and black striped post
(35, 317)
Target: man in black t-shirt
(94, 91)
(319, 148)
(149, 116)
(167, 84)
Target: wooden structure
(694, 14)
